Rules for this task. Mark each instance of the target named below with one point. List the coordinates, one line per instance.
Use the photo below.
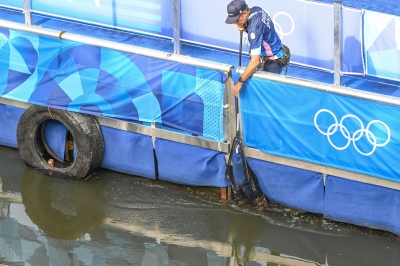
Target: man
(265, 44)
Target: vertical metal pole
(230, 124)
(337, 5)
(230, 111)
(177, 26)
(27, 12)
(240, 48)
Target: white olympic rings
(357, 135)
(278, 27)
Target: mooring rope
(50, 113)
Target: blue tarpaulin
(362, 204)
(289, 186)
(128, 152)
(190, 165)
(9, 118)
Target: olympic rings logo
(278, 27)
(356, 136)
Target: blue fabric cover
(321, 127)
(82, 78)
(55, 135)
(289, 186)
(190, 165)
(9, 117)
(128, 152)
(362, 204)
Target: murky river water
(117, 219)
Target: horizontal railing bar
(14, 103)
(257, 154)
(117, 46)
(325, 87)
(144, 130)
(163, 134)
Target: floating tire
(84, 129)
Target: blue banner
(82, 78)
(382, 45)
(151, 16)
(352, 42)
(306, 27)
(12, 3)
(320, 127)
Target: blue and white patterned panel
(103, 82)
(382, 45)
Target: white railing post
(27, 12)
(177, 26)
(337, 39)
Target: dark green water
(117, 219)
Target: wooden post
(226, 193)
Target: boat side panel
(289, 186)
(190, 165)
(9, 117)
(362, 204)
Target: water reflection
(120, 220)
(61, 207)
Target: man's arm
(251, 67)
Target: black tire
(84, 129)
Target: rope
(61, 33)
(50, 113)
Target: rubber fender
(84, 129)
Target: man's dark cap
(235, 8)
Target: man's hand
(237, 88)
(251, 67)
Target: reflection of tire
(84, 129)
(62, 208)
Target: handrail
(118, 46)
(325, 87)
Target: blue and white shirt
(262, 36)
